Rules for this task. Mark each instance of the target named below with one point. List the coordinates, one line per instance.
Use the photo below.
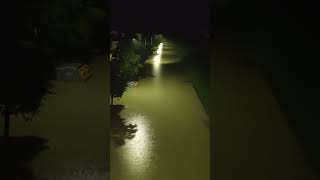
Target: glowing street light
(134, 40)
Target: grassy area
(199, 75)
(251, 136)
(296, 99)
(196, 64)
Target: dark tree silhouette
(117, 83)
(24, 84)
(129, 63)
(25, 71)
(125, 66)
(73, 28)
(15, 155)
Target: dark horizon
(162, 17)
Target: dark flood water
(172, 140)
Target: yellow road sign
(85, 72)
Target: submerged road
(172, 140)
(73, 121)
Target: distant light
(135, 42)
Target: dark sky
(161, 16)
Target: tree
(142, 51)
(130, 64)
(73, 28)
(24, 85)
(25, 71)
(125, 67)
(117, 83)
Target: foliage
(24, 83)
(126, 65)
(157, 41)
(117, 83)
(69, 27)
(130, 64)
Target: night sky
(177, 16)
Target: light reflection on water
(137, 151)
(156, 65)
(157, 61)
(171, 141)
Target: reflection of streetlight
(137, 151)
(156, 60)
(156, 65)
(159, 51)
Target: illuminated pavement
(172, 141)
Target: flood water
(172, 140)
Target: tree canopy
(73, 27)
(25, 82)
(129, 64)
(25, 70)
